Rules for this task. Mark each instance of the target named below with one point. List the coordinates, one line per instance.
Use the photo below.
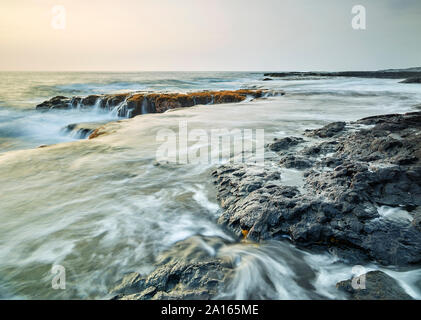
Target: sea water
(102, 208)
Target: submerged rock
(352, 172)
(377, 286)
(81, 130)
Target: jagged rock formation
(327, 131)
(348, 174)
(378, 286)
(349, 171)
(132, 104)
(195, 275)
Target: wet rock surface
(285, 143)
(374, 285)
(196, 274)
(59, 102)
(132, 104)
(81, 130)
(349, 172)
(327, 131)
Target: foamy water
(103, 207)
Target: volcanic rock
(352, 172)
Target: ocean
(102, 208)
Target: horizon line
(245, 71)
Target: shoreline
(411, 75)
(339, 220)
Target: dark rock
(81, 130)
(381, 74)
(267, 79)
(284, 143)
(417, 219)
(186, 271)
(312, 151)
(58, 102)
(337, 208)
(378, 286)
(412, 80)
(296, 162)
(320, 149)
(179, 281)
(75, 102)
(90, 100)
(331, 162)
(327, 131)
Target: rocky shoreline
(412, 75)
(349, 174)
(360, 200)
(129, 105)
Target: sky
(207, 35)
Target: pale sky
(238, 35)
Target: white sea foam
(394, 213)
